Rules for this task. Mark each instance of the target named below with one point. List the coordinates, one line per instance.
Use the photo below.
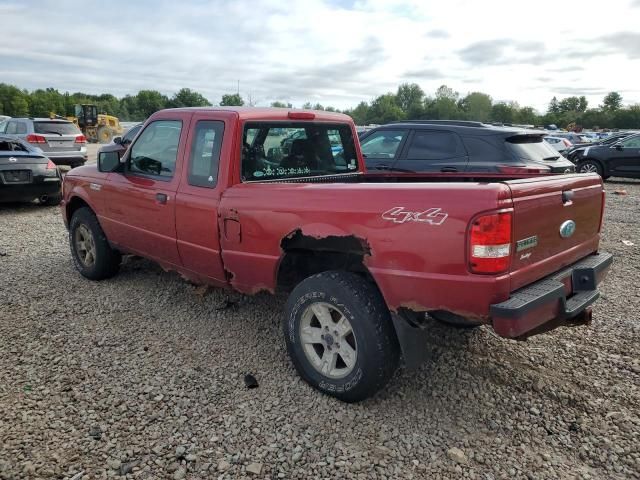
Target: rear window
(531, 147)
(60, 128)
(275, 151)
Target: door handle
(448, 169)
(161, 198)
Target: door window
(633, 142)
(382, 144)
(12, 127)
(205, 154)
(431, 145)
(156, 149)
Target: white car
(558, 143)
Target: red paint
(231, 235)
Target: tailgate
(556, 222)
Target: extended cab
(212, 194)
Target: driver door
(140, 203)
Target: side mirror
(117, 140)
(108, 161)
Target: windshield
(531, 147)
(273, 151)
(59, 128)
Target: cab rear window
(278, 151)
(59, 128)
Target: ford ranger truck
(277, 200)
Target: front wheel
(589, 166)
(339, 335)
(92, 255)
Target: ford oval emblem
(567, 228)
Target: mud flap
(412, 339)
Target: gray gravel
(142, 376)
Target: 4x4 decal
(432, 216)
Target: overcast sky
(336, 52)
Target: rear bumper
(28, 192)
(73, 157)
(563, 298)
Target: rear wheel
(453, 320)
(589, 166)
(104, 134)
(92, 255)
(339, 335)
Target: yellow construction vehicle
(97, 127)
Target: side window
(633, 142)
(131, 133)
(11, 127)
(433, 145)
(205, 153)
(21, 128)
(382, 144)
(156, 149)
(481, 151)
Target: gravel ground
(142, 376)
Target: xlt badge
(525, 243)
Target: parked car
(621, 159)
(120, 144)
(26, 173)
(573, 152)
(60, 140)
(574, 138)
(559, 144)
(363, 257)
(459, 146)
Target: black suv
(459, 146)
(622, 159)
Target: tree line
(409, 102)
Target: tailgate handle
(567, 196)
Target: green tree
(477, 106)
(554, 106)
(150, 101)
(360, 114)
(384, 109)
(231, 100)
(188, 98)
(410, 98)
(503, 112)
(307, 106)
(612, 101)
(278, 104)
(627, 117)
(527, 116)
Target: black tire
(453, 320)
(377, 352)
(51, 200)
(590, 166)
(106, 261)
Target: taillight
(33, 138)
(490, 243)
(51, 165)
(511, 170)
(81, 139)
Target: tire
(590, 166)
(104, 134)
(453, 320)
(92, 255)
(357, 338)
(51, 200)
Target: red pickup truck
(278, 200)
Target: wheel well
(307, 255)
(74, 204)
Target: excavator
(97, 127)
